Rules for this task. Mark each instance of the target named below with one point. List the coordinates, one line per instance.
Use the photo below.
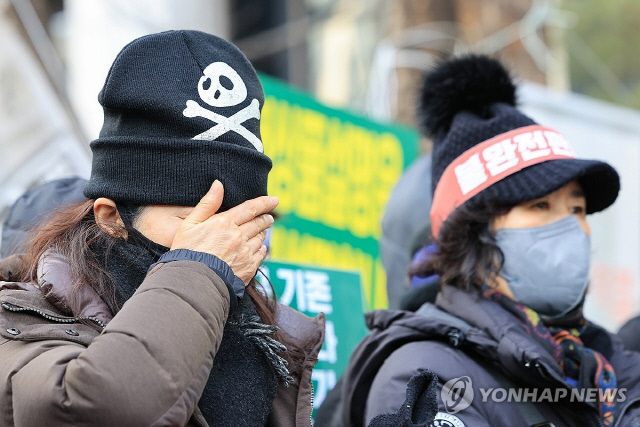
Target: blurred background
(576, 60)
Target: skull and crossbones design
(221, 86)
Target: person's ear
(108, 218)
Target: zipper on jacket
(60, 319)
(599, 420)
(539, 368)
(624, 410)
(455, 337)
(545, 375)
(311, 414)
(542, 371)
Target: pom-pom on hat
(181, 109)
(482, 144)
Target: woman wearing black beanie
(138, 306)
(506, 336)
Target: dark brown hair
(467, 251)
(72, 231)
(69, 232)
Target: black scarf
(246, 369)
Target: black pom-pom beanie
(181, 109)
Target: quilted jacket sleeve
(148, 366)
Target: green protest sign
(333, 172)
(335, 293)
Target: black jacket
(466, 335)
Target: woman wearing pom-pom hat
(506, 337)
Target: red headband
(491, 161)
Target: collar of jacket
(516, 351)
(49, 295)
(476, 325)
(56, 283)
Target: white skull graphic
(221, 86)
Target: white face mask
(547, 268)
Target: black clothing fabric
(240, 369)
(126, 263)
(629, 334)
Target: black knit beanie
(181, 109)
(468, 100)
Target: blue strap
(221, 268)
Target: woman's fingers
(255, 243)
(251, 209)
(246, 261)
(256, 226)
(208, 205)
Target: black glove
(419, 408)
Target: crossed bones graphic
(226, 124)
